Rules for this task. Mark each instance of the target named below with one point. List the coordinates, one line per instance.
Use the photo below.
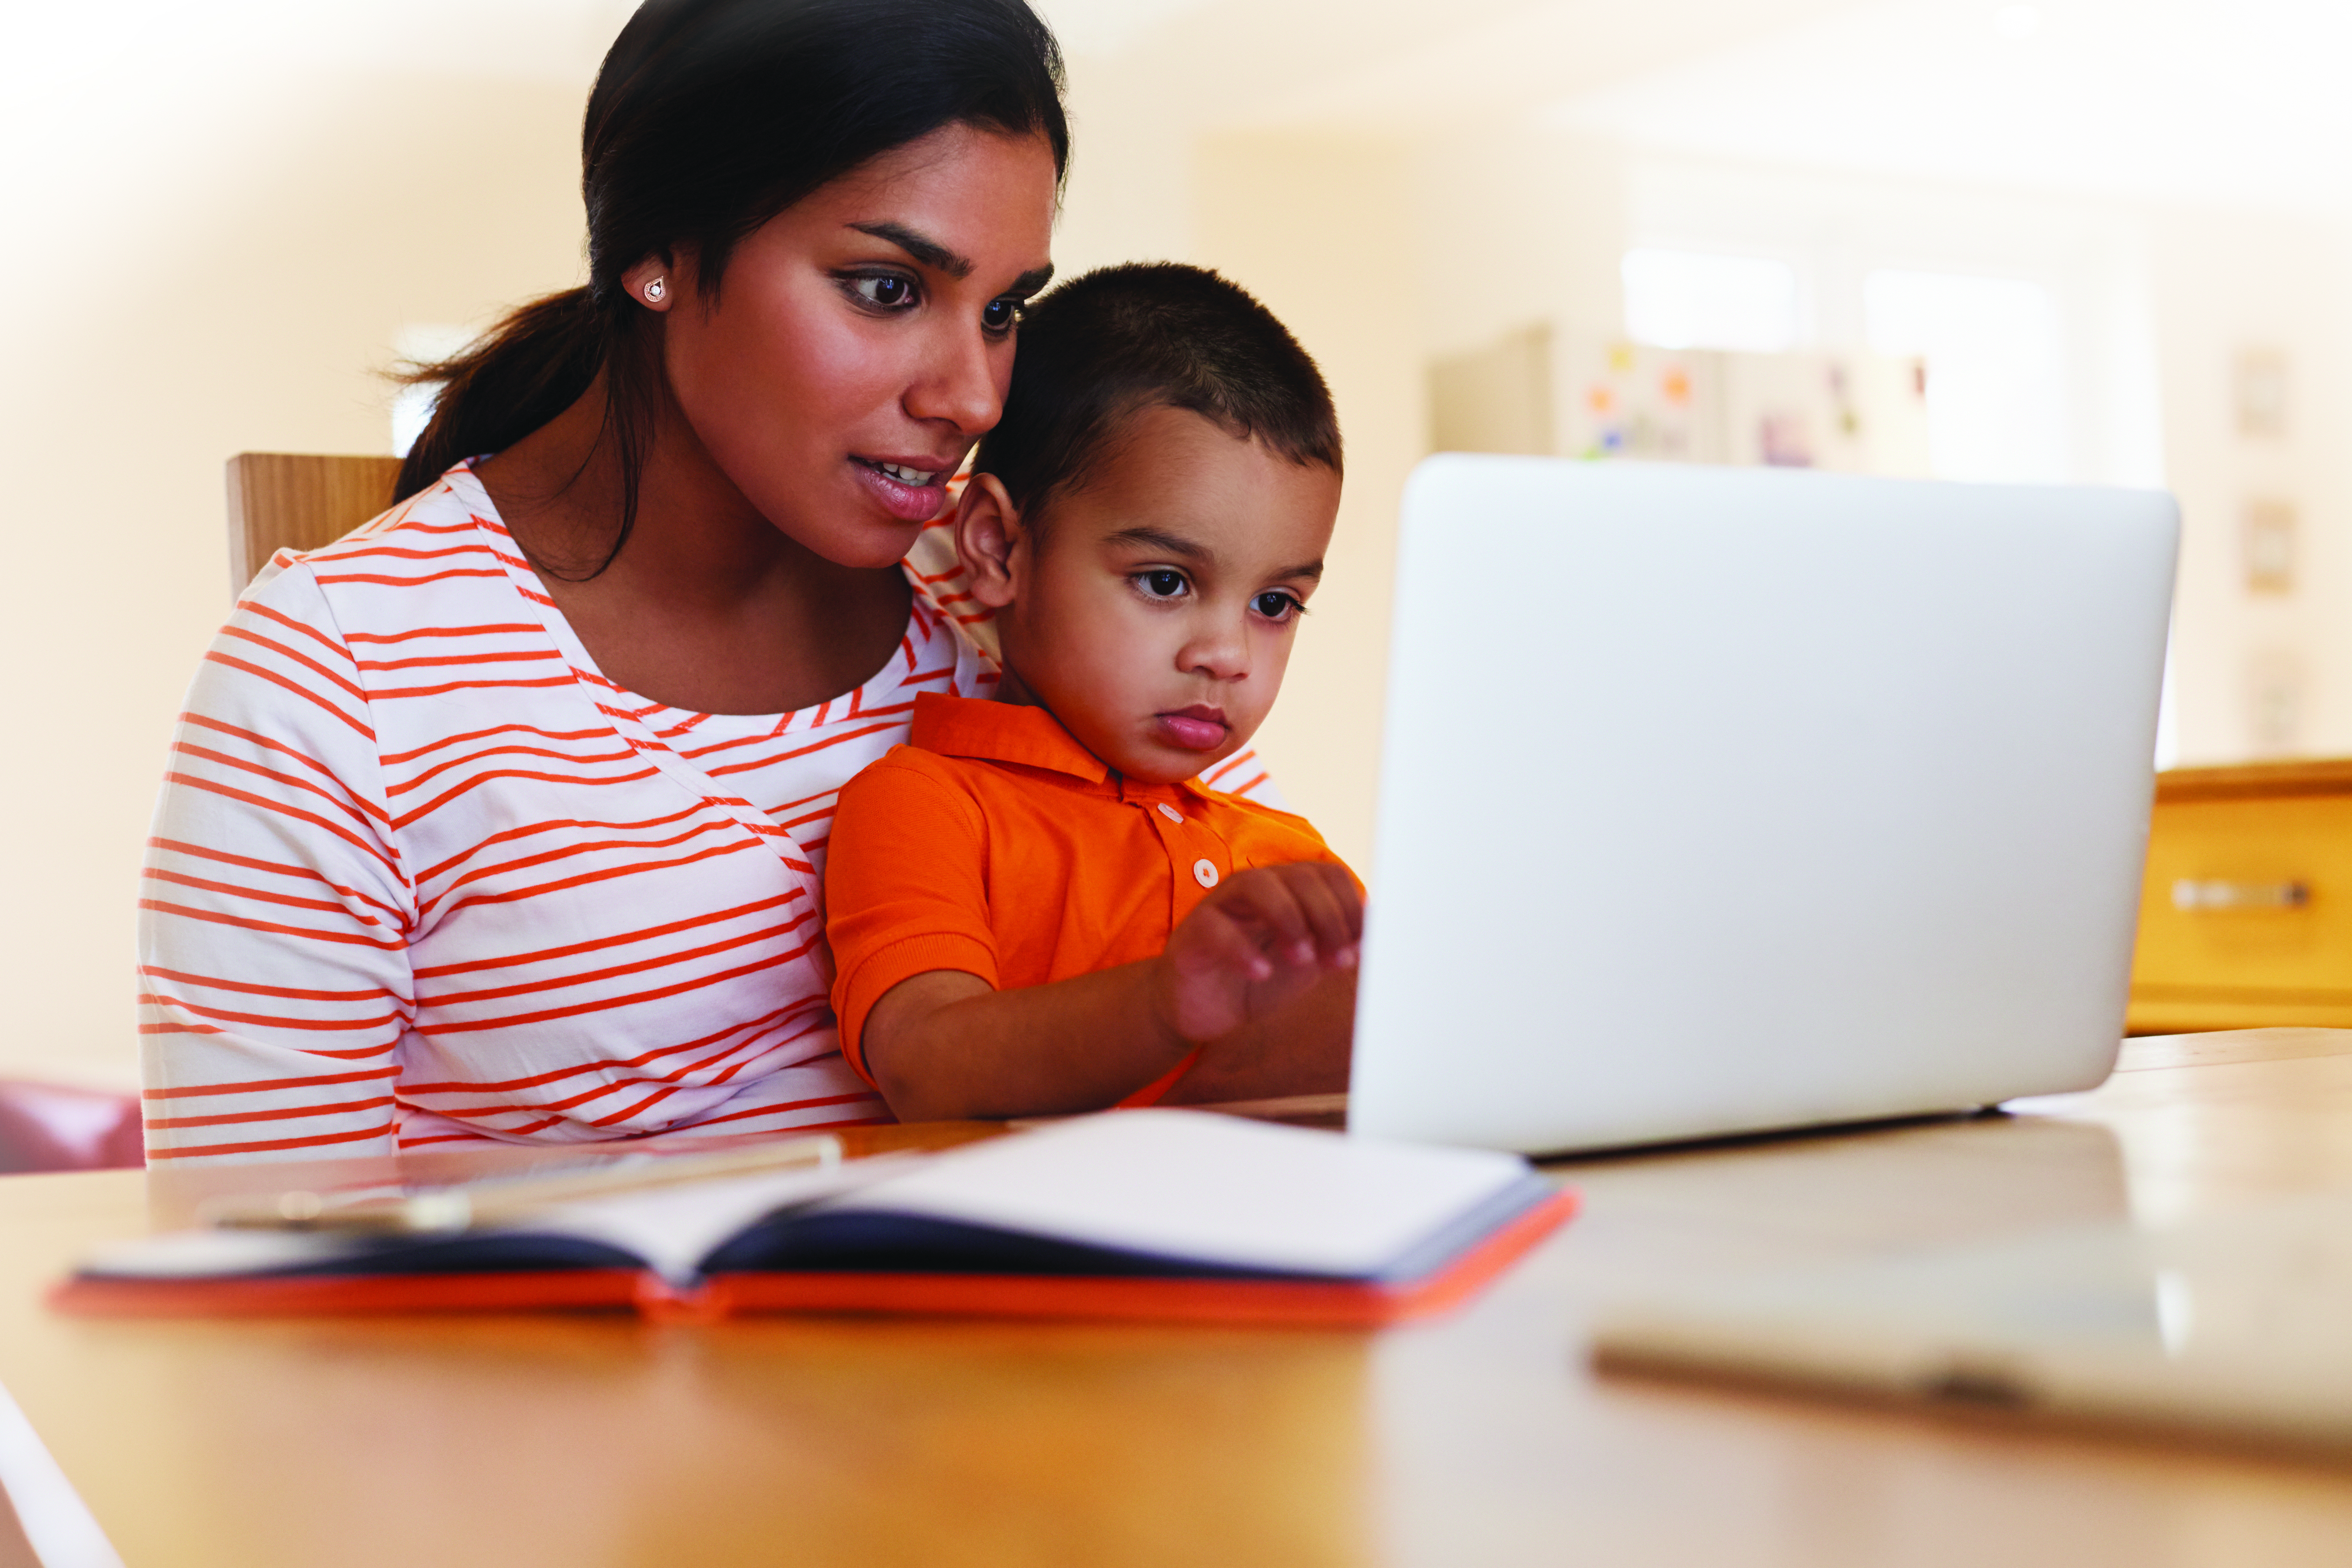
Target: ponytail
(709, 118)
(534, 365)
(529, 368)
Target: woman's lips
(903, 500)
(1194, 729)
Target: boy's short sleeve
(906, 886)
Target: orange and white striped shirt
(421, 874)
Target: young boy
(1036, 905)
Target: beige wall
(222, 288)
(2224, 283)
(1312, 226)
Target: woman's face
(862, 339)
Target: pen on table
(498, 1200)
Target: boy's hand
(1261, 939)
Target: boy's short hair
(1120, 339)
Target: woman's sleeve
(1243, 774)
(274, 912)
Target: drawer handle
(2191, 894)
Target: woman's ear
(654, 283)
(988, 532)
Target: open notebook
(1167, 1214)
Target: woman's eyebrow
(929, 252)
(934, 255)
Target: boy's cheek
(1246, 728)
(1268, 664)
(1134, 644)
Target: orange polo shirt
(994, 844)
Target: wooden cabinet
(2246, 916)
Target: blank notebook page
(1202, 1187)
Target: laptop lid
(1715, 800)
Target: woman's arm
(274, 912)
(1259, 979)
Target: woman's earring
(654, 290)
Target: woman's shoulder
(942, 588)
(415, 564)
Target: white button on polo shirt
(1205, 872)
(1171, 813)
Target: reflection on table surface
(1480, 1438)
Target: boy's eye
(1163, 584)
(1001, 314)
(1276, 605)
(887, 289)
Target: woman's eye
(886, 289)
(1001, 314)
(1276, 606)
(1161, 584)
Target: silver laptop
(1721, 800)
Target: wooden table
(1480, 1439)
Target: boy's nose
(1221, 652)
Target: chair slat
(287, 500)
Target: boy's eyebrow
(933, 253)
(1177, 544)
(1158, 539)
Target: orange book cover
(1161, 1215)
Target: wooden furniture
(285, 500)
(1480, 1439)
(2246, 914)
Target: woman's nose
(959, 382)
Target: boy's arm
(946, 1045)
(1301, 1049)
(1259, 978)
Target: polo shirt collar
(1007, 732)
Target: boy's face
(1156, 617)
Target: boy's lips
(912, 489)
(1196, 729)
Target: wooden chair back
(288, 500)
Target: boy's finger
(1351, 906)
(1351, 897)
(1330, 907)
(1214, 940)
(1261, 895)
(1325, 927)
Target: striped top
(421, 874)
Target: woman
(504, 816)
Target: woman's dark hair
(709, 118)
(1099, 348)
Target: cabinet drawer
(2246, 915)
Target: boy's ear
(987, 530)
